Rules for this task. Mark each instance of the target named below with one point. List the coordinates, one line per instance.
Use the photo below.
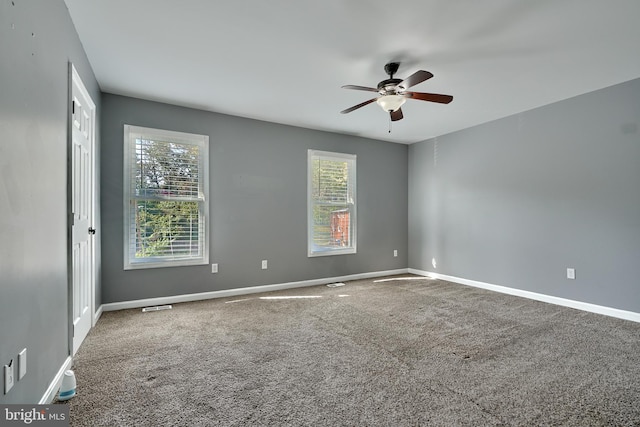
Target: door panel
(82, 195)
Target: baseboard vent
(335, 285)
(157, 308)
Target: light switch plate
(22, 364)
(8, 377)
(571, 273)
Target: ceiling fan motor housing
(389, 86)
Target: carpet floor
(402, 351)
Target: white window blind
(166, 198)
(331, 203)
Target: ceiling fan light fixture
(391, 103)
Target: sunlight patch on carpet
(393, 279)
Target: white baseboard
(50, 394)
(242, 291)
(579, 305)
(97, 315)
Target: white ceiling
(284, 61)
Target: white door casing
(82, 209)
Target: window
(165, 198)
(331, 203)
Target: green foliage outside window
(166, 228)
(167, 220)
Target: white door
(82, 201)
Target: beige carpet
(392, 353)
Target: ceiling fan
(393, 92)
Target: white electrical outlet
(8, 377)
(214, 268)
(395, 252)
(264, 264)
(22, 364)
(571, 273)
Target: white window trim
(311, 252)
(171, 136)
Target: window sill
(330, 252)
(140, 265)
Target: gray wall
(37, 40)
(258, 203)
(516, 201)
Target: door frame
(74, 78)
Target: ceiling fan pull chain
(390, 123)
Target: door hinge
(73, 107)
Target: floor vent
(157, 308)
(335, 285)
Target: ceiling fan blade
(396, 115)
(415, 78)
(368, 89)
(355, 107)
(433, 97)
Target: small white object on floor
(68, 387)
